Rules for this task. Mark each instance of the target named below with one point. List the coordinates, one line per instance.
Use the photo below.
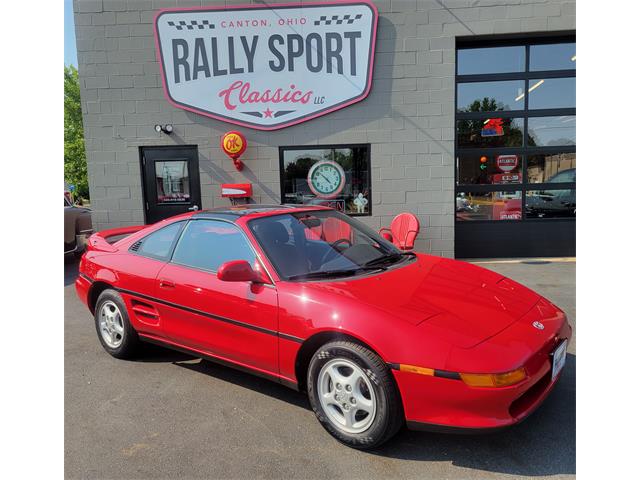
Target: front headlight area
(494, 379)
(483, 380)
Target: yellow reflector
(494, 379)
(414, 369)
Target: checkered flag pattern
(324, 19)
(192, 25)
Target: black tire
(389, 416)
(130, 342)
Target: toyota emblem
(538, 325)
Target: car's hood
(460, 302)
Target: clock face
(326, 179)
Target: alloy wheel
(111, 324)
(346, 396)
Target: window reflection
(491, 96)
(491, 60)
(207, 244)
(172, 182)
(550, 131)
(490, 132)
(551, 203)
(493, 151)
(345, 175)
(488, 206)
(555, 168)
(557, 56)
(552, 93)
(487, 169)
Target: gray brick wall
(408, 118)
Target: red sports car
(316, 300)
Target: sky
(70, 54)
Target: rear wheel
(354, 395)
(115, 332)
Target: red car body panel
(432, 312)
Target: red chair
(403, 231)
(334, 229)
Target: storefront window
(336, 176)
(490, 96)
(552, 168)
(473, 61)
(556, 56)
(488, 206)
(488, 169)
(551, 203)
(490, 132)
(552, 93)
(552, 131)
(491, 148)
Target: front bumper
(443, 404)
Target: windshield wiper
(333, 273)
(388, 258)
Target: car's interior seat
(284, 253)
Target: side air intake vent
(135, 246)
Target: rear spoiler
(100, 240)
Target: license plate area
(558, 359)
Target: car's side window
(207, 244)
(158, 245)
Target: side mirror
(240, 271)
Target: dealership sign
(267, 66)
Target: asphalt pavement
(169, 415)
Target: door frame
(196, 193)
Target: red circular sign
(233, 144)
(506, 163)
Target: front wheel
(353, 394)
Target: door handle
(195, 208)
(167, 284)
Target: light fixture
(536, 85)
(573, 59)
(168, 129)
(532, 87)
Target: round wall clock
(326, 179)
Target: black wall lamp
(168, 129)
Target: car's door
(138, 270)
(236, 321)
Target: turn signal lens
(494, 379)
(509, 378)
(414, 369)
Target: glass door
(171, 180)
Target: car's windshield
(322, 244)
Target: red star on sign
(268, 113)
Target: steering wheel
(334, 250)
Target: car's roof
(254, 210)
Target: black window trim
(331, 146)
(524, 151)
